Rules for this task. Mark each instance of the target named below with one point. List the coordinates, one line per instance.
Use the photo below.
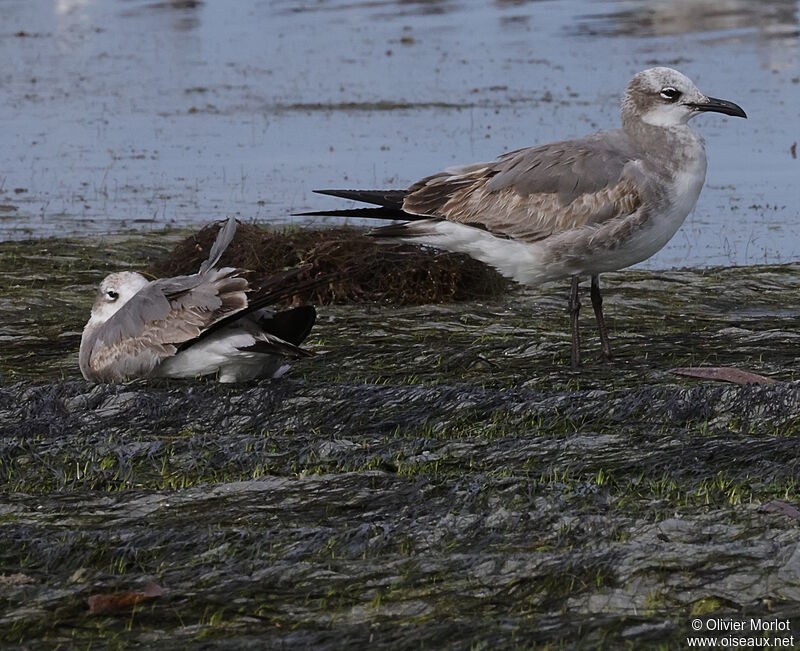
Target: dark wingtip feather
(290, 325)
(398, 230)
(362, 213)
(383, 198)
(275, 346)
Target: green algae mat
(435, 477)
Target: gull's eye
(111, 295)
(670, 94)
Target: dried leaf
(15, 579)
(723, 374)
(101, 604)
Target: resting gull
(190, 326)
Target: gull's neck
(95, 321)
(673, 147)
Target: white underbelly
(221, 354)
(584, 251)
(643, 243)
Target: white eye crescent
(111, 295)
(670, 93)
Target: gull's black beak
(719, 106)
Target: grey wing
(164, 314)
(224, 238)
(533, 193)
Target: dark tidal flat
(436, 477)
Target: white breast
(663, 225)
(663, 221)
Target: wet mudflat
(435, 477)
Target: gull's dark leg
(574, 310)
(597, 304)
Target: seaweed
(363, 269)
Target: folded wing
(533, 193)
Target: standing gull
(566, 209)
(190, 326)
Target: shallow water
(140, 114)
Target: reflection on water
(183, 13)
(384, 7)
(67, 6)
(142, 113)
(677, 17)
(773, 23)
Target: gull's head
(115, 290)
(664, 97)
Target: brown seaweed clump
(363, 270)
